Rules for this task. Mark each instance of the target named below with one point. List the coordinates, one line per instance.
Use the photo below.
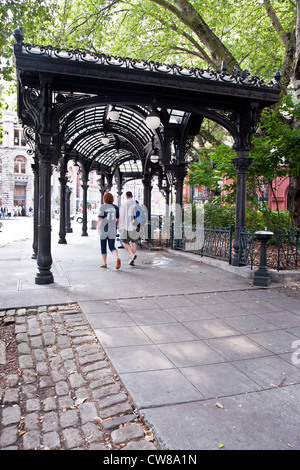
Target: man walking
(127, 222)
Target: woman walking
(108, 221)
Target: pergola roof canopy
(84, 87)
(129, 138)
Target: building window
(20, 165)
(19, 138)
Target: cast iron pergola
(64, 102)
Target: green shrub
(267, 219)
(218, 215)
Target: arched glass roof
(129, 135)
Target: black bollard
(262, 276)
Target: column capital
(47, 152)
(242, 163)
(245, 121)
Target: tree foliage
(252, 34)
(262, 36)
(275, 153)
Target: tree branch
(201, 52)
(289, 41)
(187, 15)
(275, 22)
(86, 18)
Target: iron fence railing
(283, 250)
(214, 242)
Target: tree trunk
(294, 200)
(296, 77)
(288, 39)
(294, 189)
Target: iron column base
(262, 278)
(46, 278)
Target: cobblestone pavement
(63, 392)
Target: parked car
(91, 215)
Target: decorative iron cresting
(81, 55)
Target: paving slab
(212, 380)
(267, 420)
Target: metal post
(35, 169)
(262, 276)
(62, 207)
(180, 175)
(84, 203)
(230, 244)
(147, 202)
(242, 164)
(44, 258)
(68, 208)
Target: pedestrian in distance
(108, 221)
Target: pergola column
(119, 179)
(119, 193)
(147, 180)
(102, 188)
(180, 176)
(35, 169)
(62, 214)
(44, 258)
(242, 163)
(84, 186)
(68, 209)
(75, 169)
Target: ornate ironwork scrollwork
(246, 123)
(29, 136)
(31, 99)
(81, 55)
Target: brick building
(16, 176)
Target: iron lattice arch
(84, 132)
(64, 101)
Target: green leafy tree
(277, 151)
(255, 34)
(259, 35)
(211, 167)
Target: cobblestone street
(64, 393)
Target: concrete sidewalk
(207, 358)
